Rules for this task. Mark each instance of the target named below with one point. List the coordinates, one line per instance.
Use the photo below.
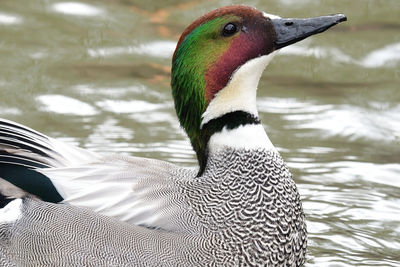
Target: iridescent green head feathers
(207, 54)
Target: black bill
(289, 31)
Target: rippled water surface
(96, 74)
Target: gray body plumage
(244, 210)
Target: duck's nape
(218, 62)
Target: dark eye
(229, 29)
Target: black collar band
(229, 121)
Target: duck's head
(219, 60)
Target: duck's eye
(229, 29)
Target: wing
(23, 150)
(135, 190)
(20, 145)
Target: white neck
(241, 91)
(249, 136)
(239, 94)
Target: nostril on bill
(288, 23)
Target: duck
(67, 206)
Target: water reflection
(388, 56)
(77, 9)
(109, 132)
(160, 49)
(331, 53)
(338, 120)
(65, 105)
(8, 19)
(10, 111)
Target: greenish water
(96, 74)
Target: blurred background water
(96, 74)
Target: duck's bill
(290, 31)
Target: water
(96, 74)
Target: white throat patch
(250, 136)
(240, 93)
